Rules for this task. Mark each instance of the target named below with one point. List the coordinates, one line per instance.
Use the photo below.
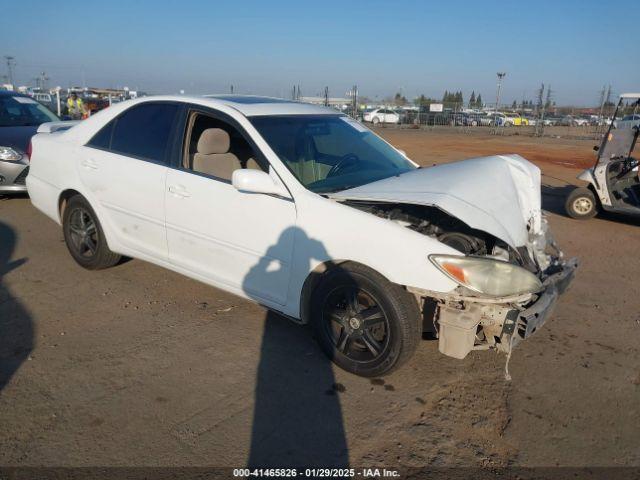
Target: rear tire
(581, 204)
(364, 323)
(84, 236)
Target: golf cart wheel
(364, 323)
(84, 236)
(581, 204)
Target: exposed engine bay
(433, 222)
(463, 320)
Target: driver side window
(216, 148)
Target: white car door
(124, 168)
(238, 241)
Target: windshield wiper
(345, 187)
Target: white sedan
(381, 115)
(310, 214)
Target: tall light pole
(500, 77)
(10, 64)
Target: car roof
(9, 93)
(254, 105)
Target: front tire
(376, 120)
(84, 236)
(581, 204)
(364, 323)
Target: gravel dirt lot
(136, 365)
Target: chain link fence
(493, 123)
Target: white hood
(499, 195)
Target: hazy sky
(265, 47)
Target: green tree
(514, 105)
(479, 101)
(399, 99)
(472, 100)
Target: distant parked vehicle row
(448, 117)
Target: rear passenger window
(142, 131)
(102, 139)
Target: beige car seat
(213, 157)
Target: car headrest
(213, 140)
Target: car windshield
(329, 153)
(23, 111)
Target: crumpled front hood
(499, 194)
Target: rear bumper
(535, 315)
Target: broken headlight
(487, 276)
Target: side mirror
(257, 181)
(596, 148)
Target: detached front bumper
(527, 322)
(467, 323)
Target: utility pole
(601, 114)
(326, 96)
(43, 81)
(500, 75)
(547, 102)
(540, 112)
(11, 62)
(355, 101)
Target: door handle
(179, 191)
(90, 164)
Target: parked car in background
(573, 121)
(47, 100)
(514, 119)
(628, 121)
(496, 119)
(552, 121)
(381, 115)
(485, 119)
(20, 116)
(315, 216)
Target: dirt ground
(136, 365)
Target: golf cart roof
(630, 95)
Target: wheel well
(314, 278)
(64, 198)
(595, 194)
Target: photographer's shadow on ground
(297, 419)
(16, 326)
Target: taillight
(29, 150)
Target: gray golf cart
(614, 184)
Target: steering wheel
(343, 162)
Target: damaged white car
(309, 213)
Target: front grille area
(21, 179)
